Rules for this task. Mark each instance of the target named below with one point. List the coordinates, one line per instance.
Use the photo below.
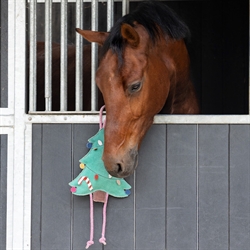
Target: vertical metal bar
(94, 55)
(79, 53)
(27, 182)
(32, 59)
(16, 203)
(125, 7)
(249, 65)
(110, 14)
(64, 51)
(10, 230)
(10, 227)
(48, 50)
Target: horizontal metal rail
(85, 1)
(93, 117)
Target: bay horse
(145, 68)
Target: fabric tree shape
(94, 178)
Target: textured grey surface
(190, 191)
(80, 205)
(36, 186)
(50, 176)
(3, 189)
(150, 191)
(239, 187)
(213, 186)
(4, 54)
(181, 197)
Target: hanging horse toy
(95, 181)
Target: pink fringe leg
(91, 242)
(103, 239)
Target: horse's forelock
(152, 16)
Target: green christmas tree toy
(94, 179)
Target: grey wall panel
(3, 189)
(81, 205)
(120, 212)
(36, 187)
(151, 191)
(120, 222)
(56, 169)
(52, 212)
(192, 181)
(239, 187)
(4, 54)
(60, 220)
(213, 187)
(181, 187)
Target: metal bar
(27, 183)
(79, 57)
(11, 57)
(32, 59)
(125, 7)
(48, 51)
(110, 14)
(16, 204)
(10, 230)
(10, 131)
(94, 55)
(86, 117)
(64, 57)
(6, 120)
(86, 1)
(249, 64)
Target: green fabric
(94, 176)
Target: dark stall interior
(218, 47)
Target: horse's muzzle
(121, 166)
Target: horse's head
(134, 77)
(134, 89)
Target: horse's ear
(93, 36)
(130, 35)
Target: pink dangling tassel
(101, 123)
(91, 242)
(104, 214)
(102, 239)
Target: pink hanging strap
(91, 242)
(102, 239)
(101, 123)
(104, 213)
(104, 220)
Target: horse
(145, 68)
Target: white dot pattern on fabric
(100, 142)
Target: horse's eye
(135, 87)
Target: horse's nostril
(119, 168)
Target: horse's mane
(151, 15)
